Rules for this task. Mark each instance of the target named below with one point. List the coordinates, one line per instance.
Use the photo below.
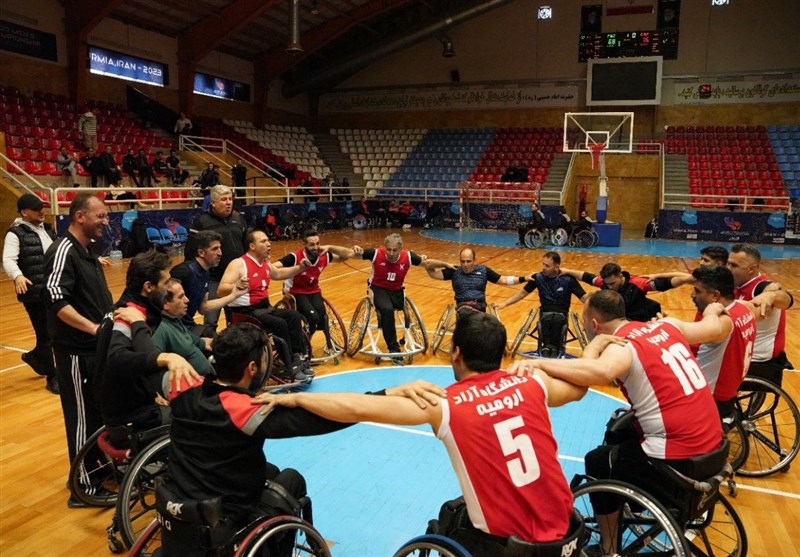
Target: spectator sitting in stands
(183, 125)
(129, 166)
(110, 168)
(91, 164)
(66, 164)
(146, 176)
(517, 172)
(160, 165)
(406, 208)
(176, 173)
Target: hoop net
(596, 150)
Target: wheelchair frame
(432, 545)
(414, 338)
(530, 328)
(447, 324)
(110, 468)
(336, 330)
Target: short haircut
(471, 250)
(610, 269)
(749, 249)
(220, 191)
(553, 256)
(715, 277)
(234, 348)
(715, 253)
(481, 338)
(168, 297)
(393, 238)
(308, 232)
(251, 236)
(146, 267)
(608, 304)
(205, 238)
(81, 203)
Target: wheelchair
(764, 430)
(197, 529)
(276, 378)
(442, 546)
(335, 341)
(447, 324)
(583, 238)
(545, 346)
(536, 238)
(413, 340)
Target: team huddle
(143, 362)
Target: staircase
(676, 181)
(338, 162)
(551, 189)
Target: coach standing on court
(78, 298)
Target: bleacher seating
(785, 141)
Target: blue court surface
(374, 487)
(648, 246)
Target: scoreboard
(628, 44)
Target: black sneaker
(397, 361)
(52, 385)
(75, 503)
(31, 359)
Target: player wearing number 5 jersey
(497, 433)
(674, 410)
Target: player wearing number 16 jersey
(497, 432)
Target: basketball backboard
(612, 129)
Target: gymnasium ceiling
(338, 37)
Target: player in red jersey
(390, 264)
(305, 286)
(497, 432)
(769, 358)
(254, 271)
(674, 409)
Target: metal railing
(37, 185)
(736, 202)
(211, 146)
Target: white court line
(578, 459)
(14, 348)
(12, 367)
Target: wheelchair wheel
(432, 545)
(290, 532)
(287, 302)
(644, 525)
(445, 324)
(136, 504)
(771, 421)
(737, 439)
(560, 237)
(578, 330)
(534, 239)
(358, 327)
(338, 335)
(149, 543)
(415, 326)
(718, 533)
(523, 331)
(585, 239)
(94, 476)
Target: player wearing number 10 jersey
(497, 432)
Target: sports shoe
(31, 359)
(75, 503)
(397, 361)
(52, 385)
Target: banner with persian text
(457, 99)
(737, 92)
(722, 226)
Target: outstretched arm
(279, 273)
(516, 297)
(339, 253)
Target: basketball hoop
(596, 150)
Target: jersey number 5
(523, 467)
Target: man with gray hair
(230, 225)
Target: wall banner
(458, 99)
(737, 92)
(721, 226)
(30, 42)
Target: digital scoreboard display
(629, 44)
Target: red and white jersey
(669, 394)
(307, 282)
(725, 363)
(257, 278)
(771, 337)
(387, 275)
(497, 433)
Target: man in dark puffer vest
(23, 260)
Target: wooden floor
(34, 518)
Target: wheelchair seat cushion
(206, 512)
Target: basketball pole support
(602, 193)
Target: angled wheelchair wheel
(534, 239)
(585, 239)
(560, 237)
(338, 336)
(94, 476)
(523, 331)
(287, 302)
(149, 543)
(416, 328)
(578, 330)
(432, 545)
(283, 535)
(737, 439)
(771, 421)
(718, 533)
(445, 324)
(136, 505)
(644, 526)
(358, 327)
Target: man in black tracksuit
(231, 226)
(78, 298)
